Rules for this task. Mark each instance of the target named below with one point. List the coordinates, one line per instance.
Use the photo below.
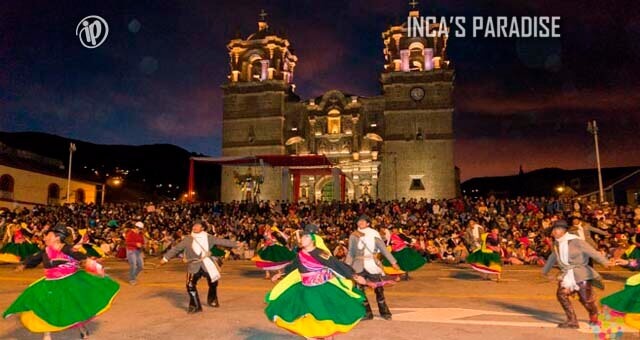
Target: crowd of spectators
(439, 229)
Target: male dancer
(196, 247)
(364, 244)
(572, 256)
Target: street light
(115, 182)
(592, 127)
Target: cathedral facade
(397, 145)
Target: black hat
(560, 224)
(61, 231)
(310, 229)
(364, 217)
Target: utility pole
(592, 127)
(72, 148)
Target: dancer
(20, 246)
(487, 259)
(316, 299)
(200, 263)
(364, 244)
(572, 256)
(65, 297)
(633, 252)
(274, 255)
(85, 243)
(408, 259)
(627, 301)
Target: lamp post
(72, 148)
(592, 127)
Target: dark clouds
(157, 77)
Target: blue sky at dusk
(157, 77)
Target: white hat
(139, 225)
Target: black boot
(194, 301)
(84, 333)
(369, 313)
(588, 300)
(212, 297)
(385, 313)
(563, 297)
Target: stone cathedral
(397, 145)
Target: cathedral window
(416, 56)
(416, 184)
(333, 122)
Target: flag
(72, 147)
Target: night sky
(157, 77)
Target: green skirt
(217, 252)
(635, 254)
(22, 250)
(626, 300)
(276, 253)
(485, 262)
(66, 302)
(91, 250)
(408, 259)
(316, 311)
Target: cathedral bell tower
(417, 84)
(259, 85)
(260, 82)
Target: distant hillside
(158, 170)
(543, 182)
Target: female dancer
(487, 259)
(408, 258)
(627, 301)
(273, 255)
(316, 299)
(65, 297)
(85, 243)
(20, 246)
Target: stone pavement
(438, 302)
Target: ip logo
(92, 31)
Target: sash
(208, 263)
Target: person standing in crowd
(66, 297)
(572, 255)
(200, 263)
(474, 234)
(364, 244)
(134, 240)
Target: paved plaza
(438, 302)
